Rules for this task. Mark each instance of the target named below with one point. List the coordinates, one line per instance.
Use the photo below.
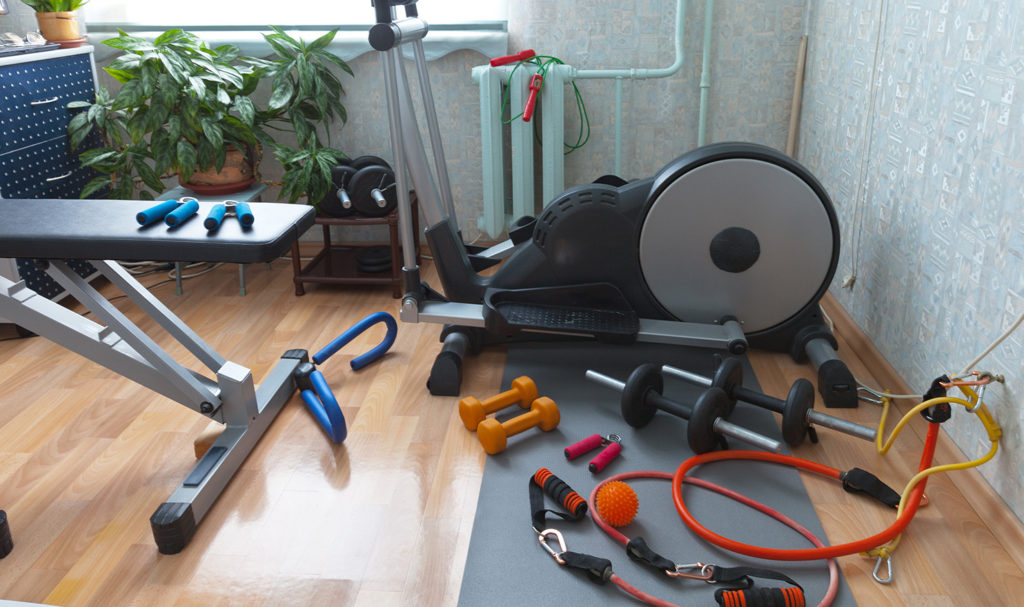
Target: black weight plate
(362, 162)
(374, 268)
(700, 433)
(794, 415)
(365, 181)
(341, 177)
(374, 255)
(636, 407)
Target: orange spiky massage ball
(617, 503)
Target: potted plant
(58, 19)
(186, 108)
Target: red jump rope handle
(604, 457)
(531, 101)
(588, 444)
(520, 56)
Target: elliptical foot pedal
(597, 309)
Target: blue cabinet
(35, 158)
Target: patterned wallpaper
(914, 121)
(20, 18)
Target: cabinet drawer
(34, 98)
(44, 170)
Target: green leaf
(322, 41)
(97, 155)
(137, 127)
(78, 129)
(246, 110)
(186, 160)
(174, 128)
(306, 79)
(281, 96)
(129, 43)
(95, 185)
(226, 53)
(220, 157)
(213, 133)
(338, 61)
(126, 97)
(168, 36)
(198, 86)
(175, 70)
(149, 176)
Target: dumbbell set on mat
(797, 410)
(363, 186)
(642, 397)
(493, 434)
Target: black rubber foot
(446, 375)
(173, 526)
(6, 541)
(836, 385)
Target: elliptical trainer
(731, 245)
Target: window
(479, 25)
(323, 13)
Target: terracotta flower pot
(59, 27)
(236, 175)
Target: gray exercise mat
(507, 566)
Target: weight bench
(101, 230)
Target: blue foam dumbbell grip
(212, 221)
(244, 213)
(181, 214)
(156, 213)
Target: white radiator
(492, 81)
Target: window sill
(489, 39)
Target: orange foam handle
(559, 490)
(617, 503)
(761, 597)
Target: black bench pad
(107, 229)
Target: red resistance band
(806, 554)
(637, 550)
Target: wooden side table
(336, 263)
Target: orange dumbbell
(473, 411)
(494, 435)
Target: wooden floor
(385, 518)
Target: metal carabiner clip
(878, 566)
(875, 397)
(543, 539)
(704, 571)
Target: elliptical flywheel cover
(737, 229)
